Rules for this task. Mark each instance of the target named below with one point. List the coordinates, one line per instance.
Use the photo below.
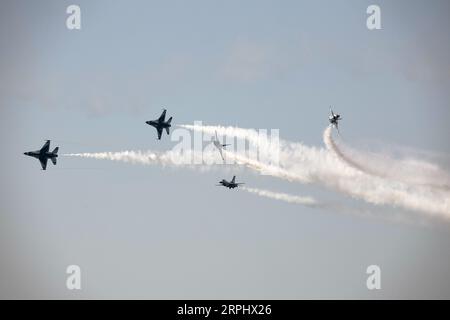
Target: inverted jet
(43, 154)
(160, 124)
(229, 184)
(334, 118)
(219, 146)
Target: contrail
(410, 171)
(167, 158)
(140, 157)
(175, 159)
(307, 201)
(317, 165)
(306, 165)
(336, 207)
(266, 169)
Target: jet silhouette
(160, 124)
(43, 154)
(229, 184)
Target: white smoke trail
(306, 165)
(135, 157)
(409, 170)
(337, 207)
(266, 169)
(317, 165)
(307, 201)
(168, 158)
(175, 159)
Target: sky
(152, 232)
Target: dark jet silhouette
(229, 184)
(334, 118)
(43, 155)
(160, 124)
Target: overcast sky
(152, 232)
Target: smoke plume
(305, 164)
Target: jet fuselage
(334, 119)
(156, 124)
(229, 185)
(37, 154)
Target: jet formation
(160, 124)
(43, 154)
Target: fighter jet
(43, 155)
(160, 124)
(229, 184)
(219, 146)
(334, 118)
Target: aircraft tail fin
(170, 119)
(54, 161)
(167, 130)
(234, 179)
(55, 151)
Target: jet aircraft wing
(46, 147)
(221, 154)
(163, 116)
(43, 163)
(160, 130)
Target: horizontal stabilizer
(167, 130)
(56, 150)
(54, 161)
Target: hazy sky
(152, 232)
